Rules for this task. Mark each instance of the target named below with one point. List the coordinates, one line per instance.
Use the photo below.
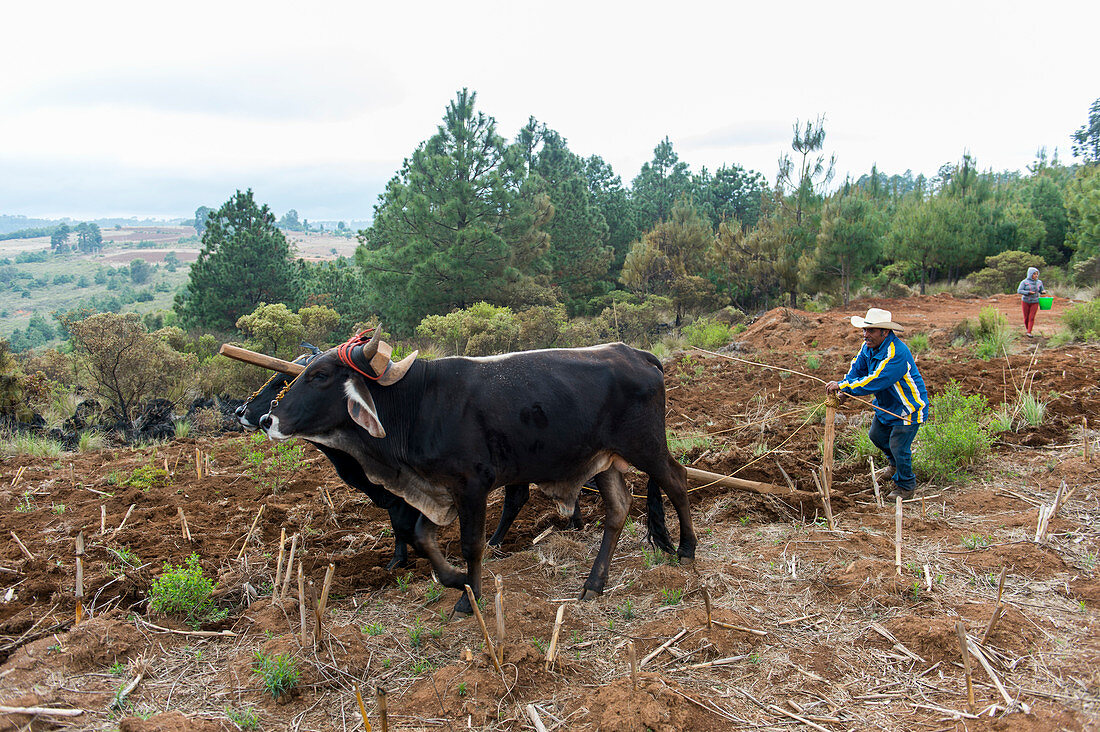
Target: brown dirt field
(842, 639)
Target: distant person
(1031, 287)
(885, 368)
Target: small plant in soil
(976, 541)
(243, 718)
(26, 505)
(434, 592)
(422, 666)
(627, 609)
(271, 465)
(671, 597)
(403, 581)
(145, 477)
(279, 674)
(58, 508)
(185, 592)
(539, 644)
(416, 634)
(117, 668)
(754, 657)
(386, 663)
(374, 629)
(813, 362)
(462, 690)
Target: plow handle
(260, 359)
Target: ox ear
(361, 409)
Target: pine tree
(245, 260)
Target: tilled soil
(805, 622)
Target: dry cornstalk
(197, 633)
(928, 577)
(741, 628)
(1058, 498)
(102, 519)
(874, 481)
(1041, 524)
(1085, 432)
(974, 649)
(492, 651)
(183, 524)
(311, 592)
(18, 476)
(803, 720)
(362, 708)
(633, 664)
(964, 649)
(302, 604)
(824, 499)
(22, 546)
(536, 720)
(251, 528)
(279, 565)
(383, 715)
(831, 403)
(542, 536)
(47, 711)
(198, 463)
(498, 607)
(79, 594)
(323, 604)
(72, 475)
(125, 518)
(289, 566)
(657, 651)
(897, 534)
(706, 602)
(719, 661)
(998, 609)
(551, 652)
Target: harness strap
(345, 353)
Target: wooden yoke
(260, 359)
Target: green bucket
(1045, 303)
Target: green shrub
(181, 429)
(183, 591)
(994, 335)
(479, 330)
(90, 440)
(278, 673)
(1083, 321)
(271, 464)
(813, 362)
(1003, 271)
(708, 334)
(919, 343)
(145, 477)
(955, 436)
(1032, 408)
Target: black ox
(403, 517)
(442, 434)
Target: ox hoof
(587, 594)
(400, 559)
(462, 608)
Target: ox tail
(657, 531)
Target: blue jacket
(890, 373)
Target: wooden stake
(633, 664)
(198, 463)
(484, 631)
(897, 534)
(960, 628)
(551, 652)
(313, 607)
(874, 481)
(289, 566)
(102, 519)
(22, 546)
(302, 604)
(499, 609)
(706, 601)
(18, 476)
(279, 566)
(362, 708)
(250, 530)
(72, 475)
(168, 472)
(383, 716)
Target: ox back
(453, 429)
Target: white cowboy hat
(876, 318)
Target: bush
(279, 673)
(183, 591)
(994, 336)
(540, 326)
(955, 437)
(479, 330)
(919, 343)
(1004, 271)
(707, 333)
(1083, 321)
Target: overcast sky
(153, 109)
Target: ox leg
(515, 496)
(403, 518)
(428, 545)
(616, 504)
(673, 481)
(471, 524)
(576, 521)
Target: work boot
(905, 494)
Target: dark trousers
(896, 440)
(1030, 308)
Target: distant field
(120, 246)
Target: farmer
(1031, 287)
(885, 367)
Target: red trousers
(1030, 309)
